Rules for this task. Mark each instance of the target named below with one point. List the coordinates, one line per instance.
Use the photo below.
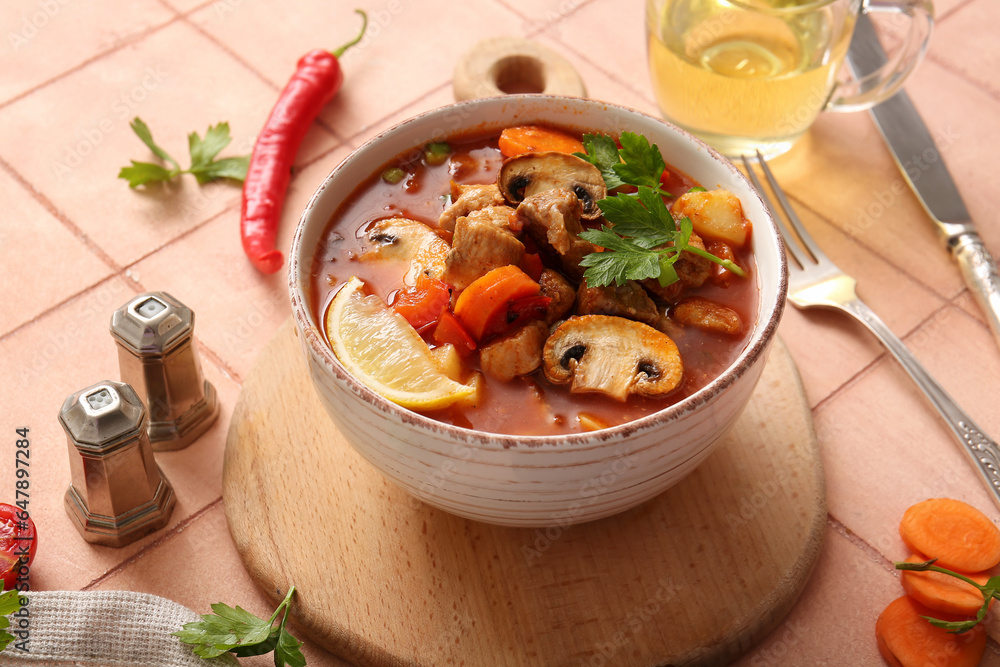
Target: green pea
(393, 175)
(436, 153)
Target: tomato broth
(527, 405)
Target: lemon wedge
(380, 348)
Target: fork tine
(793, 217)
(791, 247)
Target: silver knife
(920, 161)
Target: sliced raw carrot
(958, 535)
(479, 303)
(535, 139)
(905, 639)
(943, 592)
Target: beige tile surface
(29, 235)
(74, 157)
(76, 243)
(43, 40)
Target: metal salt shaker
(157, 356)
(118, 494)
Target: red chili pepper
(316, 80)
(18, 543)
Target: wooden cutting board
(696, 576)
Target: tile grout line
(888, 262)
(52, 209)
(364, 132)
(137, 37)
(180, 527)
(277, 87)
(841, 529)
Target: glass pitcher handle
(882, 82)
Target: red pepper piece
(450, 330)
(423, 303)
(18, 543)
(316, 80)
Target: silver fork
(816, 282)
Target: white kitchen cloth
(101, 629)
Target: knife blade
(921, 164)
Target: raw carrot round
(958, 535)
(535, 139)
(942, 592)
(907, 640)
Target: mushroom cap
(531, 173)
(405, 240)
(612, 356)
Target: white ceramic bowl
(541, 480)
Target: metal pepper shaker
(118, 494)
(157, 356)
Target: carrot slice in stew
(942, 592)
(958, 535)
(905, 639)
(535, 139)
(487, 296)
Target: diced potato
(715, 214)
(708, 316)
(448, 359)
(589, 422)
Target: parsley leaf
(644, 241)
(10, 602)
(204, 166)
(237, 631)
(642, 163)
(602, 152)
(989, 591)
(142, 130)
(141, 173)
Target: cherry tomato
(18, 543)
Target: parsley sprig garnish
(204, 166)
(989, 591)
(644, 240)
(10, 602)
(239, 632)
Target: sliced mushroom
(531, 173)
(612, 356)
(406, 240)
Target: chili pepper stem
(364, 25)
